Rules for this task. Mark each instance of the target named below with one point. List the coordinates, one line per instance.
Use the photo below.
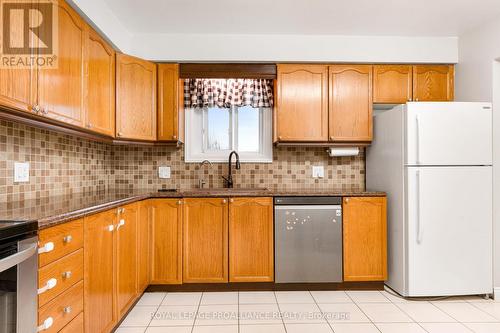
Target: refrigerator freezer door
(449, 134)
(450, 228)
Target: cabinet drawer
(63, 309)
(59, 241)
(65, 272)
(75, 326)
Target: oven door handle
(17, 258)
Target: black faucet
(229, 179)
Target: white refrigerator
(434, 160)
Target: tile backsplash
(63, 164)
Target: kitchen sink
(226, 191)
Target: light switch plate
(21, 172)
(164, 172)
(318, 171)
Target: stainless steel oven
(18, 277)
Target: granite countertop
(58, 209)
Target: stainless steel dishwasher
(308, 239)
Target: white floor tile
(216, 329)
(384, 313)
(445, 328)
(308, 328)
(259, 314)
(131, 330)
(492, 309)
(478, 299)
(217, 315)
(151, 299)
(465, 312)
(170, 329)
(400, 328)
(219, 298)
(272, 328)
(330, 296)
(355, 328)
(367, 296)
(394, 297)
(298, 297)
(139, 316)
(425, 312)
(343, 313)
(182, 299)
(301, 313)
(175, 315)
(257, 297)
(484, 327)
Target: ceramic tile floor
(304, 311)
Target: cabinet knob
(119, 134)
(67, 274)
(416, 99)
(179, 202)
(36, 108)
(67, 239)
(231, 200)
(331, 138)
(346, 200)
(280, 137)
(67, 309)
(224, 201)
(89, 125)
(174, 137)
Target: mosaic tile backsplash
(63, 164)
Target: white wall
(478, 79)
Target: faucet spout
(229, 178)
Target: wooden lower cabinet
(166, 254)
(143, 245)
(365, 238)
(75, 326)
(205, 240)
(251, 246)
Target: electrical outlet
(21, 172)
(318, 171)
(164, 172)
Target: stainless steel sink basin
(226, 191)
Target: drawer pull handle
(47, 323)
(67, 309)
(67, 239)
(46, 248)
(120, 224)
(51, 283)
(67, 274)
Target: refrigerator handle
(417, 134)
(419, 225)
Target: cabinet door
(170, 119)
(350, 103)
(205, 240)
(251, 246)
(61, 89)
(392, 84)
(433, 83)
(302, 108)
(135, 98)
(143, 245)
(365, 239)
(100, 93)
(126, 257)
(99, 272)
(166, 267)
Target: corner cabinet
(135, 98)
(170, 104)
(365, 238)
(433, 83)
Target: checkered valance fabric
(226, 93)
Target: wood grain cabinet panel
(170, 105)
(301, 113)
(144, 245)
(251, 246)
(64, 238)
(61, 89)
(433, 83)
(350, 111)
(100, 272)
(205, 240)
(135, 98)
(166, 258)
(392, 84)
(75, 326)
(365, 238)
(100, 93)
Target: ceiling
(315, 17)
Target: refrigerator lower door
(450, 226)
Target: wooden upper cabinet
(350, 109)
(392, 84)
(166, 252)
(365, 238)
(205, 240)
(61, 89)
(135, 98)
(433, 83)
(99, 272)
(302, 103)
(170, 104)
(251, 245)
(100, 92)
